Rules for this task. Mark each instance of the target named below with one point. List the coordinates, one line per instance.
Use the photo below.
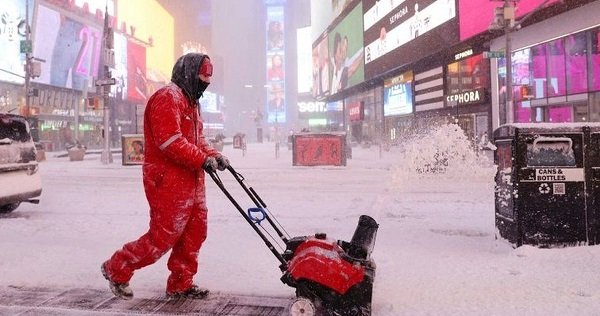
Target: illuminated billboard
(119, 90)
(320, 72)
(160, 56)
(324, 12)
(136, 68)
(428, 25)
(275, 53)
(69, 47)
(303, 53)
(338, 56)
(477, 15)
(397, 95)
(346, 53)
(12, 33)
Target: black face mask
(201, 88)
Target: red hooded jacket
(175, 146)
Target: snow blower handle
(248, 217)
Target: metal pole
(106, 156)
(27, 59)
(508, 57)
(276, 132)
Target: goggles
(206, 69)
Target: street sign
(493, 54)
(106, 82)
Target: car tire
(7, 208)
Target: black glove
(223, 162)
(210, 164)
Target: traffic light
(93, 103)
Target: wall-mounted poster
(132, 149)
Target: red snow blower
(331, 277)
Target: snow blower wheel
(302, 307)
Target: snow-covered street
(436, 251)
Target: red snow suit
(175, 151)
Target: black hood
(185, 75)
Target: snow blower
(331, 277)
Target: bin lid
(508, 130)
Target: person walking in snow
(176, 155)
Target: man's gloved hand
(210, 164)
(223, 162)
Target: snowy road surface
(436, 253)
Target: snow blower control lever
(331, 277)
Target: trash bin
(548, 184)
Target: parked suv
(20, 180)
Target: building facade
(428, 62)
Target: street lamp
(504, 19)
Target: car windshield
(13, 129)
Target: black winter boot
(121, 290)
(193, 292)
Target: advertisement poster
(346, 54)
(390, 25)
(71, 49)
(136, 66)
(12, 32)
(397, 95)
(132, 149)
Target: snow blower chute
(331, 277)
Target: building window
(522, 112)
(576, 48)
(555, 51)
(539, 67)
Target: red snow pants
(179, 228)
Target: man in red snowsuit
(176, 155)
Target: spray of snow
(441, 152)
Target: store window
(522, 112)
(468, 74)
(556, 68)
(560, 114)
(576, 48)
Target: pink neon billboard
(477, 15)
